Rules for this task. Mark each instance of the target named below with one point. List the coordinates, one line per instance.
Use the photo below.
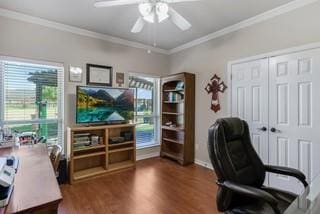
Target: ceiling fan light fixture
(149, 18)
(151, 11)
(162, 17)
(145, 9)
(162, 10)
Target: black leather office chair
(241, 173)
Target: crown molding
(246, 23)
(71, 29)
(243, 24)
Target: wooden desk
(35, 187)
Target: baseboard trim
(157, 154)
(149, 155)
(204, 164)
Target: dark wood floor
(157, 186)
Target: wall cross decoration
(214, 87)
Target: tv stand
(100, 158)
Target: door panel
(250, 101)
(294, 113)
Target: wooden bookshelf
(95, 160)
(177, 117)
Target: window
(32, 100)
(146, 109)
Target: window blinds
(143, 83)
(1, 95)
(32, 98)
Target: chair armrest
(252, 192)
(287, 171)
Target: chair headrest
(233, 127)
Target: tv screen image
(104, 105)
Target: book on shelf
(180, 85)
(174, 97)
(81, 139)
(82, 143)
(81, 134)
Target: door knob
(263, 129)
(274, 130)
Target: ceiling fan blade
(111, 3)
(138, 26)
(178, 20)
(178, 1)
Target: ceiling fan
(151, 11)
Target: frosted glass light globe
(145, 9)
(162, 8)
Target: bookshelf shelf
(76, 157)
(173, 140)
(173, 90)
(121, 144)
(173, 113)
(173, 128)
(88, 148)
(121, 165)
(174, 102)
(88, 173)
(177, 109)
(121, 150)
(174, 155)
(91, 161)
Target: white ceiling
(206, 16)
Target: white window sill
(148, 146)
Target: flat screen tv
(104, 105)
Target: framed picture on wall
(120, 79)
(75, 74)
(99, 75)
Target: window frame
(60, 98)
(156, 108)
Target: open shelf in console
(87, 141)
(91, 157)
(121, 159)
(89, 166)
(121, 154)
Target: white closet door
(295, 116)
(250, 101)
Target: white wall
(295, 28)
(30, 41)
